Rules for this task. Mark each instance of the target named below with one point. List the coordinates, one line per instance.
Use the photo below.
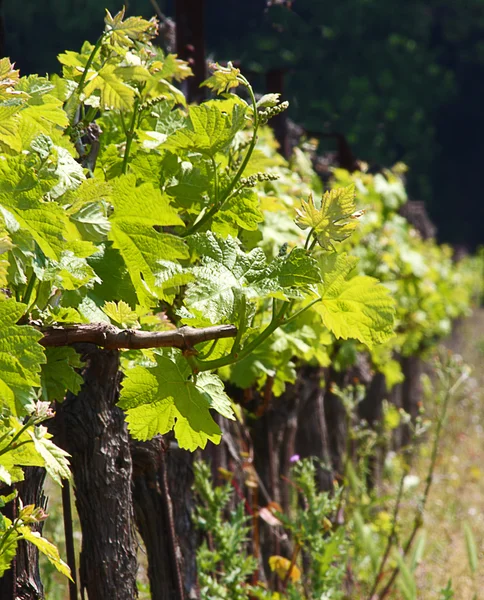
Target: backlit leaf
(334, 221)
(165, 397)
(356, 307)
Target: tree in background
(400, 79)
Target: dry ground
(457, 496)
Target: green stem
(78, 91)
(240, 328)
(253, 142)
(5, 435)
(209, 352)
(391, 537)
(227, 193)
(313, 243)
(129, 137)
(303, 309)
(246, 350)
(308, 239)
(16, 436)
(4, 450)
(29, 289)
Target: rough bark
(29, 585)
(411, 391)
(8, 583)
(97, 438)
(112, 338)
(171, 566)
(371, 410)
(179, 477)
(312, 434)
(22, 580)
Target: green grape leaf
(8, 552)
(147, 167)
(5, 475)
(242, 210)
(173, 67)
(43, 112)
(212, 128)
(115, 283)
(91, 191)
(46, 222)
(191, 185)
(92, 221)
(226, 275)
(223, 277)
(160, 398)
(271, 359)
(137, 210)
(55, 459)
(334, 221)
(356, 307)
(214, 387)
(70, 273)
(9, 126)
(47, 548)
(20, 356)
(223, 78)
(115, 93)
(59, 375)
(296, 270)
(23, 453)
(69, 172)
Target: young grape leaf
(21, 207)
(70, 273)
(121, 313)
(115, 94)
(160, 398)
(92, 221)
(9, 78)
(47, 548)
(296, 270)
(55, 459)
(214, 387)
(123, 33)
(191, 185)
(223, 78)
(334, 221)
(356, 307)
(9, 127)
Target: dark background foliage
(404, 81)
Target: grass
(457, 495)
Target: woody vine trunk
(97, 438)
